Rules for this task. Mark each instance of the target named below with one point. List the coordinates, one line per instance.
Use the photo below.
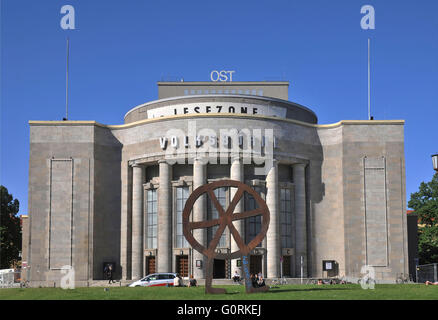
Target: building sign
(328, 265)
(218, 108)
(222, 75)
(214, 141)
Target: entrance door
(255, 264)
(287, 267)
(150, 265)
(218, 269)
(182, 265)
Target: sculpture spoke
(247, 214)
(216, 203)
(235, 200)
(204, 224)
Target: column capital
(162, 161)
(200, 160)
(236, 158)
(299, 165)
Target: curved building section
(103, 194)
(221, 104)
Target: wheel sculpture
(226, 218)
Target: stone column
(199, 214)
(273, 234)
(137, 222)
(125, 223)
(164, 250)
(300, 218)
(237, 173)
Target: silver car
(155, 280)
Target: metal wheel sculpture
(226, 218)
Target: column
(125, 224)
(300, 218)
(164, 250)
(199, 214)
(273, 234)
(137, 222)
(237, 173)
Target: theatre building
(103, 193)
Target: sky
(120, 49)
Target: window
(182, 193)
(152, 219)
(186, 92)
(286, 218)
(212, 213)
(253, 225)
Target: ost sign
(222, 75)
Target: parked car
(155, 280)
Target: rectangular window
(286, 218)
(253, 225)
(212, 213)
(182, 193)
(152, 219)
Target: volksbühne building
(115, 193)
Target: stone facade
(104, 193)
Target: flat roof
(222, 83)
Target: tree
(10, 229)
(425, 204)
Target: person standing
(110, 274)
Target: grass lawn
(286, 292)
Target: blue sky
(120, 49)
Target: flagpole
(369, 82)
(66, 81)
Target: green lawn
(287, 292)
